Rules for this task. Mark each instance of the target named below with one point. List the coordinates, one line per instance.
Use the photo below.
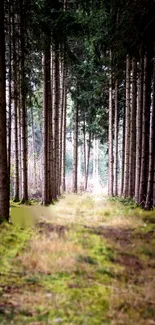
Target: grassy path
(88, 261)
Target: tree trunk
(110, 153)
(33, 144)
(154, 184)
(94, 160)
(19, 143)
(88, 161)
(151, 172)
(64, 142)
(10, 92)
(139, 129)
(23, 108)
(15, 95)
(132, 157)
(57, 129)
(75, 162)
(123, 152)
(46, 75)
(62, 92)
(127, 130)
(54, 194)
(84, 151)
(4, 184)
(116, 141)
(143, 178)
(51, 147)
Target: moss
(12, 241)
(149, 217)
(98, 291)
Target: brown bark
(84, 151)
(51, 185)
(75, 162)
(64, 141)
(15, 95)
(4, 184)
(33, 145)
(154, 184)
(62, 94)
(143, 180)
(132, 157)
(127, 130)
(46, 75)
(116, 141)
(10, 91)
(123, 152)
(150, 183)
(23, 107)
(110, 152)
(88, 161)
(54, 194)
(57, 129)
(139, 129)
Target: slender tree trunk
(10, 91)
(46, 74)
(97, 161)
(139, 129)
(51, 145)
(23, 106)
(154, 184)
(88, 161)
(64, 142)
(75, 163)
(57, 129)
(151, 172)
(15, 93)
(79, 166)
(143, 180)
(33, 144)
(62, 91)
(54, 194)
(123, 152)
(132, 157)
(19, 144)
(110, 154)
(116, 141)
(49, 117)
(84, 151)
(4, 184)
(94, 159)
(127, 130)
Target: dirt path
(87, 261)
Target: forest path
(87, 261)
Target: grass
(86, 260)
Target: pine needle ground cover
(85, 260)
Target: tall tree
(23, 7)
(4, 184)
(132, 156)
(127, 129)
(139, 127)
(110, 154)
(46, 76)
(75, 158)
(15, 96)
(116, 141)
(150, 181)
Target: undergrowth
(88, 260)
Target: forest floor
(86, 260)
